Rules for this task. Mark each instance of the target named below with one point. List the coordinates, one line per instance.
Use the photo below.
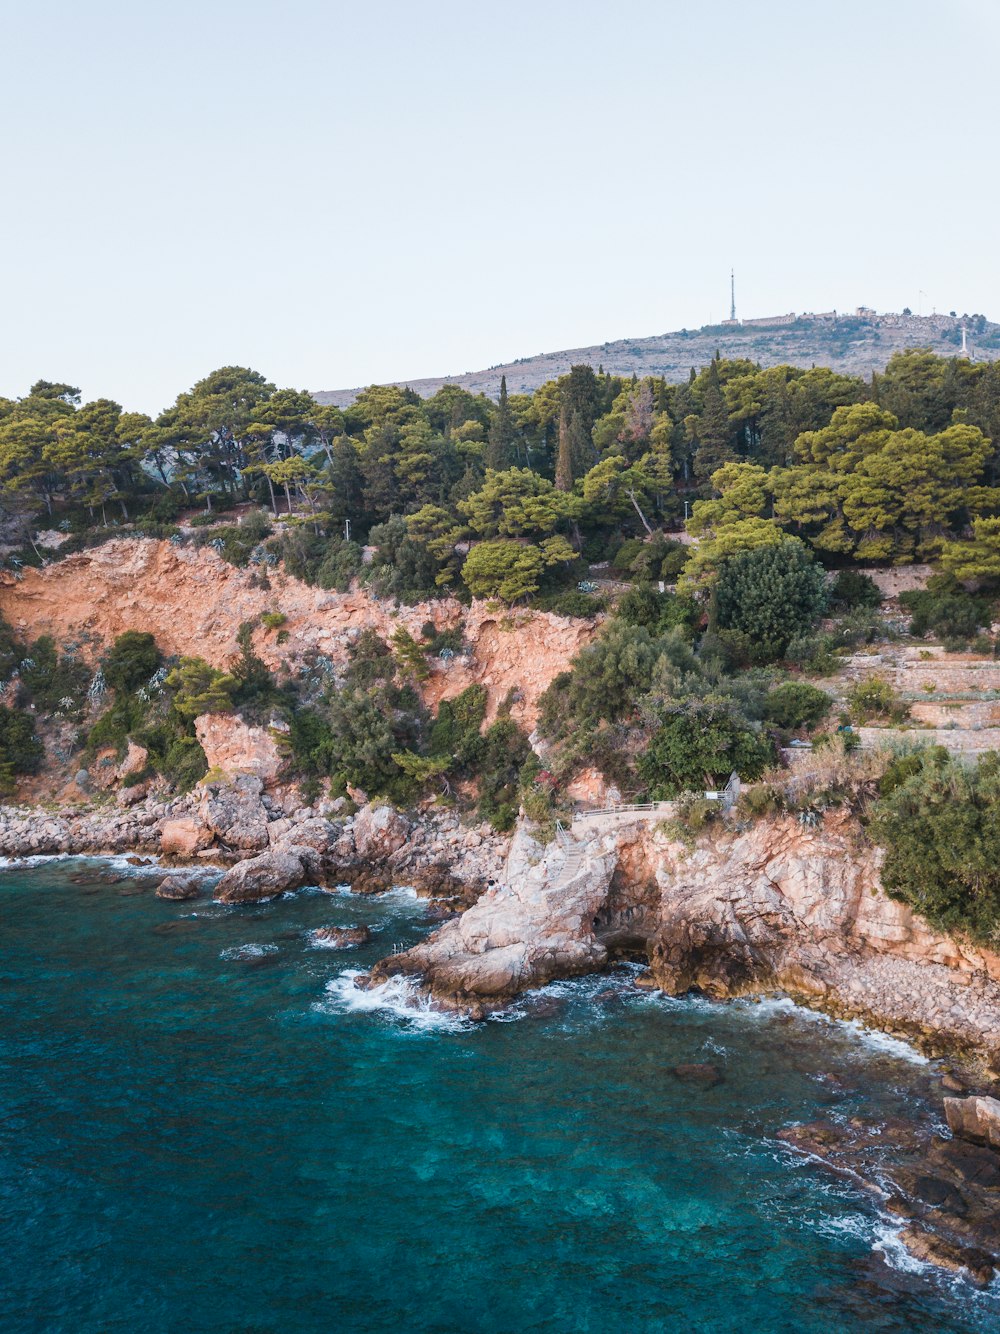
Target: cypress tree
(500, 445)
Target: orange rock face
(194, 603)
(236, 747)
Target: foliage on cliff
(939, 822)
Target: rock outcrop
(775, 906)
(537, 925)
(974, 1119)
(234, 813)
(341, 937)
(234, 747)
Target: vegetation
(793, 479)
(939, 822)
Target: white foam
(872, 1038)
(399, 997)
(889, 1245)
(249, 951)
(36, 859)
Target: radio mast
(732, 295)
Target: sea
(206, 1126)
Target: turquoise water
(203, 1126)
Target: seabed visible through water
(204, 1126)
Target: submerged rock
(341, 937)
(933, 1249)
(180, 887)
(700, 1073)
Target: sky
(342, 193)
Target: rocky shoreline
(759, 910)
(270, 844)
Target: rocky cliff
(773, 906)
(194, 603)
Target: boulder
(315, 833)
(261, 878)
(180, 887)
(234, 812)
(975, 1119)
(184, 836)
(379, 831)
(341, 937)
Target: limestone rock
(236, 747)
(136, 759)
(379, 831)
(233, 812)
(184, 836)
(261, 878)
(935, 1250)
(536, 926)
(316, 833)
(975, 1119)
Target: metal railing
(621, 808)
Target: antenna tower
(732, 295)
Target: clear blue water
(196, 1135)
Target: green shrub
(770, 594)
(52, 682)
(940, 826)
(273, 620)
(130, 661)
(21, 752)
(953, 616)
(570, 602)
(796, 704)
(851, 590)
(698, 744)
(874, 698)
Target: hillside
(853, 344)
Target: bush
(796, 704)
(20, 750)
(571, 602)
(852, 590)
(131, 661)
(770, 594)
(698, 744)
(502, 752)
(52, 682)
(940, 827)
(873, 698)
(951, 616)
(236, 543)
(273, 620)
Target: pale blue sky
(340, 193)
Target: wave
(399, 997)
(249, 951)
